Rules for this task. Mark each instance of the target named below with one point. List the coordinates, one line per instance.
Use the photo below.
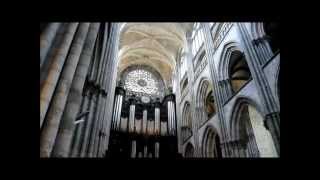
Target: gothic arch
(233, 69)
(204, 100)
(247, 128)
(186, 115)
(189, 151)
(211, 143)
(224, 61)
(186, 129)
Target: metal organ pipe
(157, 121)
(169, 118)
(131, 118)
(119, 112)
(157, 146)
(173, 119)
(114, 113)
(145, 151)
(144, 121)
(133, 149)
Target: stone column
(262, 47)
(272, 110)
(226, 89)
(208, 42)
(46, 40)
(79, 130)
(195, 120)
(178, 100)
(84, 144)
(50, 128)
(101, 133)
(66, 129)
(110, 83)
(58, 60)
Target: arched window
(272, 31)
(197, 38)
(239, 72)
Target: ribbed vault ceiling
(152, 44)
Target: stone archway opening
(253, 138)
(239, 72)
(211, 144)
(189, 153)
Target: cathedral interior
(160, 90)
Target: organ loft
(160, 90)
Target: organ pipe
(173, 119)
(171, 111)
(144, 121)
(145, 151)
(114, 113)
(157, 146)
(133, 149)
(124, 123)
(163, 128)
(169, 116)
(119, 112)
(131, 118)
(157, 121)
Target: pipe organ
(140, 128)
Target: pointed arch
(248, 130)
(211, 143)
(205, 102)
(233, 69)
(189, 151)
(186, 128)
(223, 65)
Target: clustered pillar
(217, 91)
(74, 61)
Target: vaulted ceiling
(152, 44)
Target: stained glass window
(142, 81)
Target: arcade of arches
(160, 90)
